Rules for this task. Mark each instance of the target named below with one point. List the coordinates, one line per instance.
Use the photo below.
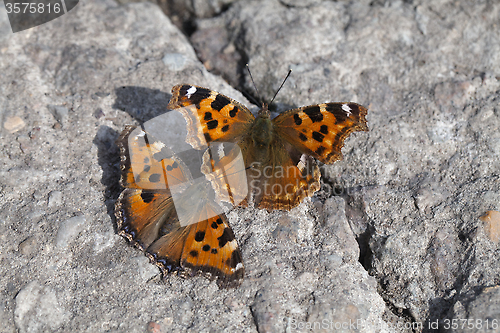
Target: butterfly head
(264, 111)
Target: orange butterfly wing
(320, 130)
(145, 165)
(210, 116)
(208, 248)
(213, 117)
(283, 180)
(147, 217)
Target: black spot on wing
(225, 128)
(163, 153)
(324, 129)
(219, 102)
(206, 247)
(208, 116)
(314, 113)
(226, 236)
(297, 119)
(154, 178)
(212, 124)
(233, 112)
(199, 236)
(147, 197)
(172, 166)
(318, 136)
(302, 137)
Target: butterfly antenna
(277, 91)
(255, 86)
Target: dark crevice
(239, 42)
(211, 44)
(358, 220)
(291, 6)
(189, 27)
(254, 317)
(384, 3)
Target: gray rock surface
(400, 246)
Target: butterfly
(148, 216)
(279, 154)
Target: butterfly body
(260, 139)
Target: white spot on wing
(190, 91)
(239, 266)
(302, 162)
(347, 109)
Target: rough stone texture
(401, 244)
(479, 315)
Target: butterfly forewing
(320, 130)
(145, 165)
(210, 116)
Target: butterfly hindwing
(206, 248)
(212, 248)
(140, 214)
(284, 179)
(320, 130)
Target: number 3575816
(32, 8)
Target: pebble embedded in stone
(14, 124)
(69, 230)
(492, 225)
